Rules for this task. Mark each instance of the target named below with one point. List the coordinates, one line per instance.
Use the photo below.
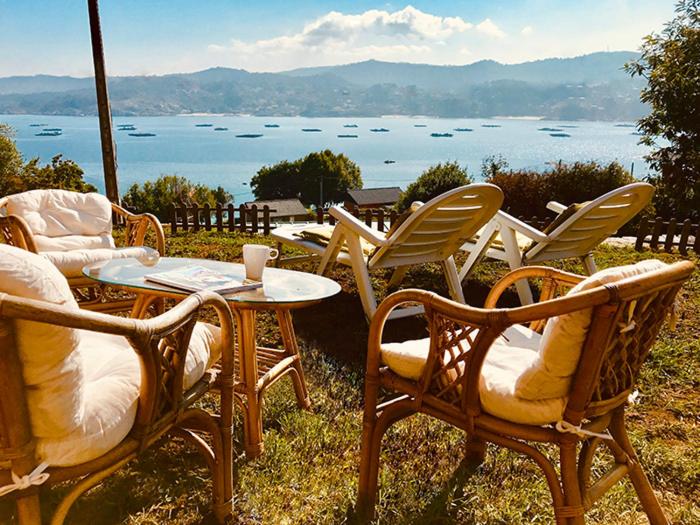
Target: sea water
(219, 158)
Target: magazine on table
(198, 278)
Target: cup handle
(274, 253)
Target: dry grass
(308, 474)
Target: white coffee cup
(255, 256)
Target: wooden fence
(669, 233)
(192, 217)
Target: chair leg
(573, 513)
(515, 261)
(28, 510)
(475, 450)
(641, 484)
(589, 264)
(359, 268)
(397, 277)
(453, 282)
(284, 319)
(479, 250)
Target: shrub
(157, 196)
(527, 192)
(434, 181)
(16, 176)
(304, 177)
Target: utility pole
(109, 157)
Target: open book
(196, 278)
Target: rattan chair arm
(529, 272)
(16, 232)
(556, 207)
(144, 220)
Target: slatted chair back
(593, 223)
(439, 227)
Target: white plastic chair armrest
(353, 224)
(508, 221)
(555, 206)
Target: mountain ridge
(590, 86)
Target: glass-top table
(279, 285)
(258, 367)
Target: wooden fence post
(696, 245)
(231, 219)
(641, 234)
(392, 217)
(380, 219)
(219, 218)
(368, 217)
(185, 216)
(266, 220)
(242, 218)
(195, 216)
(655, 233)
(670, 232)
(207, 217)
(319, 215)
(173, 218)
(685, 233)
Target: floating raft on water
(347, 136)
(49, 133)
(220, 129)
(36, 125)
(52, 129)
(310, 130)
(272, 125)
(420, 125)
(562, 135)
(142, 134)
(464, 129)
(625, 125)
(203, 125)
(554, 130)
(441, 135)
(567, 126)
(126, 127)
(379, 130)
(249, 135)
(490, 125)
(389, 162)
(349, 125)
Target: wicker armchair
(73, 248)
(457, 382)
(152, 357)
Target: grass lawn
(308, 473)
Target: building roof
(371, 196)
(282, 207)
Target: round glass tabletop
(279, 285)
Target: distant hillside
(588, 87)
(596, 68)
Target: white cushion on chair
(56, 213)
(111, 391)
(51, 367)
(563, 337)
(71, 263)
(511, 354)
(73, 242)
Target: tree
(157, 196)
(318, 178)
(433, 182)
(670, 62)
(16, 176)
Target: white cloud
(487, 27)
(408, 34)
(527, 31)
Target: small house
(282, 209)
(372, 198)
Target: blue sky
(159, 36)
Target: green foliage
(433, 182)
(527, 192)
(156, 196)
(670, 63)
(16, 176)
(303, 178)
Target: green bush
(157, 196)
(16, 176)
(527, 192)
(304, 177)
(434, 181)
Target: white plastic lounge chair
(576, 236)
(433, 233)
